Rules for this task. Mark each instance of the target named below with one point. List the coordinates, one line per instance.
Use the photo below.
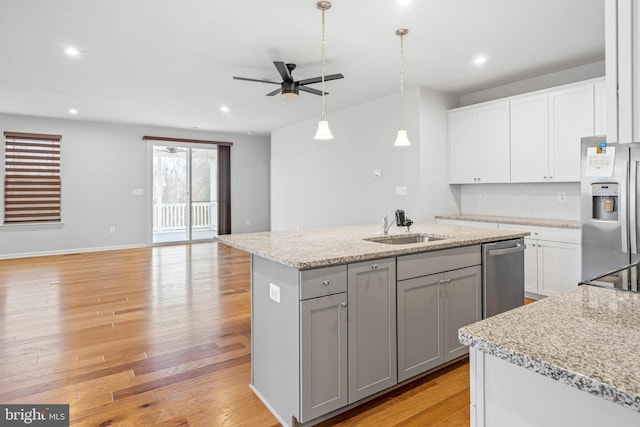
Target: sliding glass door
(184, 193)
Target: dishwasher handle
(497, 252)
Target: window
(32, 185)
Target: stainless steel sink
(406, 239)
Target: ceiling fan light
(289, 95)
(402, 140)
(323, 131)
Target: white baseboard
(71, 251)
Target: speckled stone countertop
(535, 222)
(307, 249)
(588, 338)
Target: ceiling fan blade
(255, 80)
(319, 79)
(275, 92)
(313, 91)
(283, 70)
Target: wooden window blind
(32, 184)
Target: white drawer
(323, 281)
(553, 234)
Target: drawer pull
(343, 303)
(326, 282)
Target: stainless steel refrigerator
(610, 191)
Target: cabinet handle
(447, 280)
(374, 267)
(326, 282)
(343, 303)
(478, 178)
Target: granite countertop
(535, 222)
(307, 249)
(588, 338)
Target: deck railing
(172, 216)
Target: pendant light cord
(401, 81)
(323, 53)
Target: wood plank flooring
(161, 337)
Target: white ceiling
(170, 63)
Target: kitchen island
(405, 303)
(568, 360)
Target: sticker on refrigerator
(600, 164)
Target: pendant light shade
(323, 131)
(402, 140)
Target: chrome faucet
(386, 225)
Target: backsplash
(539, 200)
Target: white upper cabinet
(530, 139)
(571, 117)
(479, 144)
(463, 146)
(600, 107)
(493, 143)
(526, 138)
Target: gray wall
(102, 163)
(331, 183)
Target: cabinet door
(372, 327)
(463, 143)
(461, 307)
(570, 118)
(530, 139)
(323, 355)
(531, 266)
(493, 143)
(600, 108)
(558, 267)
(419, 325)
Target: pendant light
(323, 131)
(402, 140)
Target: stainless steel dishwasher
(502, 276)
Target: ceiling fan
(289, 87)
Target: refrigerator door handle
(623, 210)
(633, 218)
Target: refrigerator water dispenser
(605, 201)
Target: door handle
(633, 211)
(498, 252)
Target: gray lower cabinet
(419, 325)
(432, 307)
(323, 355)
(372, 327)
(462, 301)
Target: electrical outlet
(274, 292)
(483, 196)
(248, 223)
(401, 191)
(562, 196)
(112, 230)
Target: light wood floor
(161, 337)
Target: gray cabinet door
(323, 355)
(462, 306)
(372, 327)
(420, 327)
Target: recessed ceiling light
(480, 59)
(404, 2)
(224, 109)
(71, 51)
(73, 111)
(195, 127)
